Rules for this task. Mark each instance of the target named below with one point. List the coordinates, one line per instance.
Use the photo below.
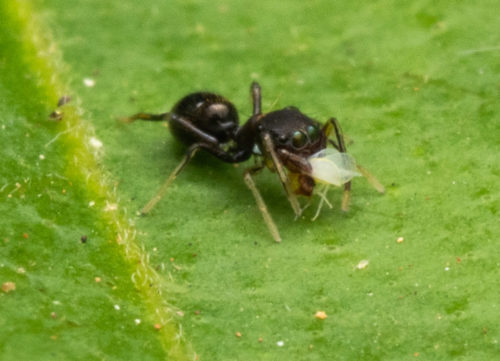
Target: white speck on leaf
(362, 264)
(89, 82)
(280, 343)
(95, 143)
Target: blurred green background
(415, 86)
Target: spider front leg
(280, 169)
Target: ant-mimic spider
(285, 141)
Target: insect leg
(260, 201)
(189, 155)
(332, 122)
(280, 169)
(146, 116)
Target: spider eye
(299, 139)
(313, 132)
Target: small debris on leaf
(137, 321)
(56, 115)
(238, 334)
(400, 240)
(8, 287)
(180, 313)
(83, 239)
(110, 207)
(97, 279)
(65, 99)
(89, 82)
(157, 326)
(321, 315)
(261, 339)
(117, 307)
(362, 264)
(280, 343)
(95, 143)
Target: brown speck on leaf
(157, 326)
(65, 99)
(53, 337)
(56, 115)
(83, 239)
(416, 354)
(197, 312)
(238, 334)
(485, 330)
(261, 339)
(8, 287)
(53, 315)
(97, 279)
(25, 235)
(459, 260)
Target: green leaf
(415, 88)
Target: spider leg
(146, 116)
(163, 189)
(280, 169)
(256, 98)
(260, 201)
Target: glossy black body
(210, 113)
(209, 121)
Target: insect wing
(333, 167)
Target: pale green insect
(331, 167)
